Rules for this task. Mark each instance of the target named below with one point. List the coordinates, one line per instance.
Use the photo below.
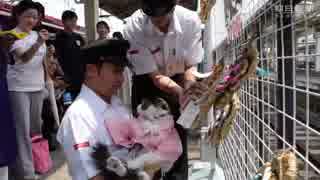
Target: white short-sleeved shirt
(168, 53)
(27, 77)
(83, 126)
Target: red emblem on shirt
(135, 51)
(81, 145)
(155, 50)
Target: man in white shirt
(83, 125)
(165, 49)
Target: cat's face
(115, 165)
(153, 110)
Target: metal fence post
(260, 104)
(285, 74)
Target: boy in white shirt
(83, 125)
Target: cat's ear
(162, 104)
(139, 109)
(145, 104)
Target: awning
(5, 10)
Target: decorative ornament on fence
(222, 95)
(284, 166)
(206, 6)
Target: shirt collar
(96, 101)
(174, 27)
(176, 23)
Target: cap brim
(14, 34)
(123, 62)
(118, 61)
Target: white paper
(202, 165)
(189, 114)
(201, 75)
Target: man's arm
(98, 177)
(166, 84)
(189, 77)
(192, 88)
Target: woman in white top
(26, 81)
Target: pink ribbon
(128, 132)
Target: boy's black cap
(110, 50)
(155, 8)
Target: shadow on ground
(59, 170)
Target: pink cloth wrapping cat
(160, 137)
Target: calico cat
(151, 140)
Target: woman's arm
(29, 54)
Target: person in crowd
(83, 125)
(68, 44)
(125, 91)
(54, 69)
(103, 30)
(7, 129)
(166, 48)
(52, 108)
(26, 81)
(42, 15)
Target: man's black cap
(112, 51)
(155, 8)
